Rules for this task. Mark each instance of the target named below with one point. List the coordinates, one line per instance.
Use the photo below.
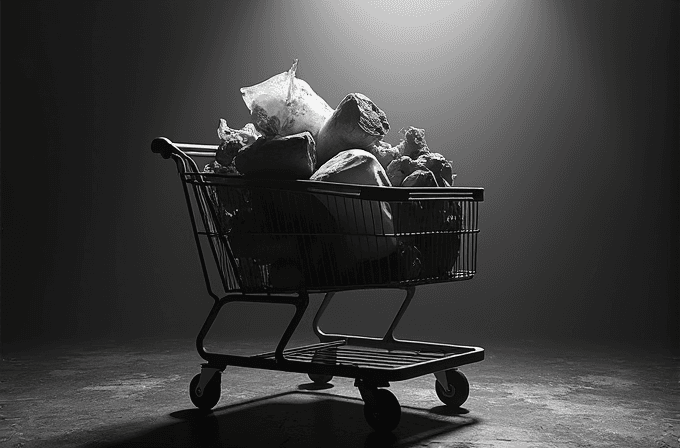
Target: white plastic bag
(285, 105)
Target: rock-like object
(231, 141)
(399, 168)
(440, 167)
(366, 225)
(420, 178)
(413, 144)
(353, 166)
(215, 167)
(357, 123)
(247, 134)
(385, 153)
(289, 157)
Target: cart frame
(372, 362)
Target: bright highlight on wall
(407, 35)
(405, 26)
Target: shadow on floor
(291, 419)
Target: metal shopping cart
(280, 241)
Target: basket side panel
(280, 240)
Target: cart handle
(164, 147)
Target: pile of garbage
(294, 134)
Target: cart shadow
(296, 418)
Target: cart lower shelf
(372, 367)
(348, 359)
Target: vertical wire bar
(379, 277)
(462, 240)
(363, 240)
(207, 215)
(357, 236)
(379, 233)
(461, 207)
(469, 224)
(468, 240)
(476, 229)
(340, 276)
(473, 237)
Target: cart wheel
(319, 378)
(210, 396)
(459, 389)
(384, 413)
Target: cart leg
(300, 308)
(206, 328)
(389, 336)
(323, 337)
(385, 341)
(220, 361)
(441, 379)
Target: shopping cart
(278, 241)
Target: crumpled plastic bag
(285, 105)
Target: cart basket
(286, 236)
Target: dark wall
(566, 112)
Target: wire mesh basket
(278, 236)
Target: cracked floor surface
(524, 394)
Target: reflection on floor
(523, 394)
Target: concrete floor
(523, 394)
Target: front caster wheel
(458, 389)
(207, 398)
(384, 413)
